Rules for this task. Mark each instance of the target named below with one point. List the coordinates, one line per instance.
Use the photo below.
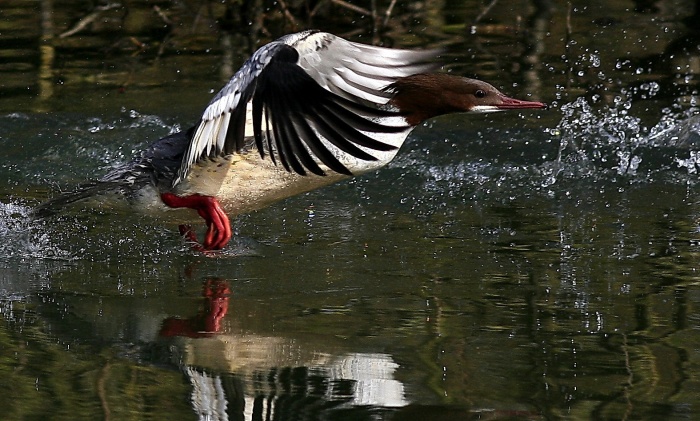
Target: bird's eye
(480, 93)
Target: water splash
(597, 140)
(97, 140)
(132, 119)
(611, 141)
(592, 145)
(24, 237)
(65, 150)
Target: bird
(304, 111)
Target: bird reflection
(249, 376)
(207, 321)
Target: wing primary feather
(280, 141)
(368, 111)
(268, 133)
(295, 102)
(302, 130)
(257, 126)
(284, 133)
(291, 143)
(287, 92)
(335, 138)
(350, 131)
(358, 122)
(224, 129)
(304, 95)
(299, 134)
(321, 151)
(299, 153)
(235, 134)
(318, 149)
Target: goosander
(304, 111)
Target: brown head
(423, 96)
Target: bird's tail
(84, 191)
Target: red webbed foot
(208, 320)
(218, 226)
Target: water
(535, 265)
(518, 274)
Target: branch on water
(87, 20)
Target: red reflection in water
(216, 293)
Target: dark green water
(540, 265)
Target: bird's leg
(218, 226)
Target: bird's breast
(253, 183)
(245, 182)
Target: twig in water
(387, 14)
(288, 14)
(352, 7)
(87, 20)
(484, 12)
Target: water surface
(534, 265)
